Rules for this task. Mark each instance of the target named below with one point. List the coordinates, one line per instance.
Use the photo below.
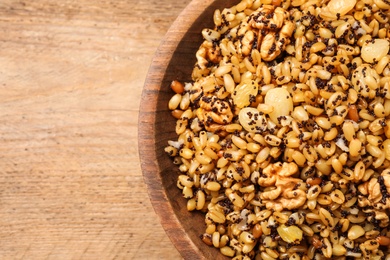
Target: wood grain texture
(71, 78)
(174, 60)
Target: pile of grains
(283, 130)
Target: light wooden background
(71, 76)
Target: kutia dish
(281, 131)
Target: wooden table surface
(71, 77)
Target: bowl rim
(146, 131)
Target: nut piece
(268, 17)
(214, 111)
(284, 195)
(374, 191)
(275, 30)
(208, 53)
(378, 190)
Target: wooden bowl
(174, 60)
